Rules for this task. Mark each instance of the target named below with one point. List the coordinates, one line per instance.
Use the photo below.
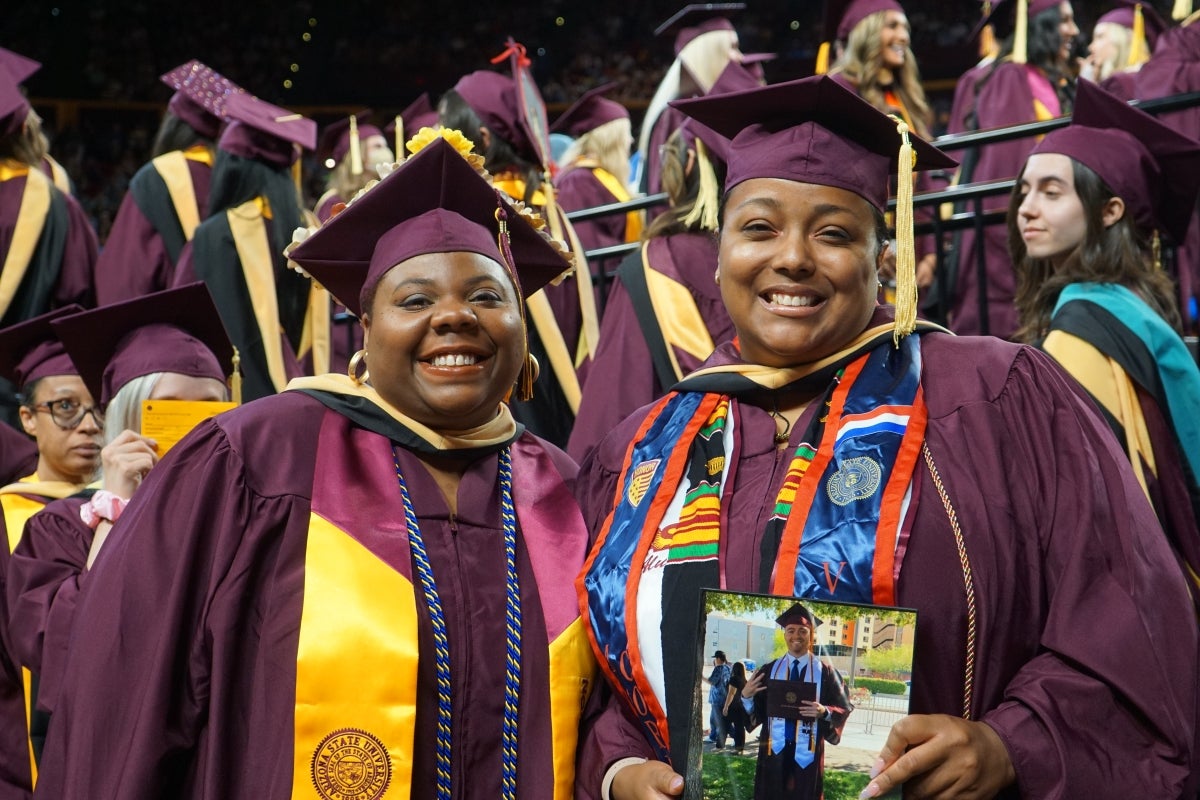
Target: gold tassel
(1021, 33)
(1137, 47)
(235, 379)
(355, 148)
(528, 373)
(906, 257)
(708, 199)
(987, 37)
(296, 178)
(1182, 10)
(399, 138)
(822, 67)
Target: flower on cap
(462, 144)
(299, 235)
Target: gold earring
(357, 360)
(717, 277)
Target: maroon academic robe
(1003, 99)
(622, 377)
(1059, 539)
(1174, 68)
(578, 188)
(18, 455)
(198, 700)
(963, 103)
(134, 261)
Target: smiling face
(798, 639)
(894, 39)
(1067, 30)
(63, 455)
(444, 339)
(797, 265)
(1050, 219)
(1105, 47)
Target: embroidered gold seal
(639, 481)
(351, 764)
(858, 478)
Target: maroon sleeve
(75, 282)
(185, 271)
(134, 261)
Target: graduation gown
(148, 233)
(1057, 535)
(581, 186)
(777, 776)
(1004, 98)
(219, 621)
(623, 377)
(18, 454)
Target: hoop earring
(357, 360)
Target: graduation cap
(840, 18)
(420, 113)
(30, 350)
(696, 19)
(178, 330)
(753, 62)
(200, 96)
(814, 130)
(265, 132)
(14, 108)
(797, 614)
(344, 137)
(493, 98)
(1153, 168)
(1143, 21)
(435, 202)
(589, 112)
(18, 66)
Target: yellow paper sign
(168, 421)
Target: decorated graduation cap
(200, 96)
(589, 112)
(30, 350)
(696, 19)
(435, 202)
(420, 113)
(265, 132)
(1154, 169)
(814, 130)
(1145, 26)
(344, 137)
(797, 614)
(178, 330)
(14, 108)
(20, 67)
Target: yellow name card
(168, 421)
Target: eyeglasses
(67, 414)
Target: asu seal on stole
(351, 764)
(857, 479)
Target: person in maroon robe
(18, 454)
(168, 196)
(390, 615)
(842, 451)
(1017, 87)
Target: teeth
(453, 360)
(792, 300)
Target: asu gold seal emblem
(351, 764)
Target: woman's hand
(940, 757)
(755, 685)
(126, 461)
(650, 780)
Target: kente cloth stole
(356, 664)
(840, 507)
(807, 730)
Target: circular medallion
(857, 479)
(351, 764)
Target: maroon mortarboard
(736, 77)
(335, 139)
(696, 19)
(854, 12)
(811, 130)
(589, 112)
(178, 330)
(796, 614)
(265, 132)
(30, 350)
(435, 202)
(14, 108)
(420, 113)
(1153, 168)
(1126, 12)
(493, 97)
(200, 96)
(19, 67)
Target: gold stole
(62, 181)
(18, 506)
(677, 315)
(633, 219)
(35, 204)
(1113, 389)
(247, 223)
(173, 168)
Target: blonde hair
(608, 144)
(28, 144)
(345, 183)
(124, 411)
(862, 62)
(1122, 39)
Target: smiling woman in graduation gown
(837, 451)
(389, 616)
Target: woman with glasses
(164, 346)
(57, 410)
